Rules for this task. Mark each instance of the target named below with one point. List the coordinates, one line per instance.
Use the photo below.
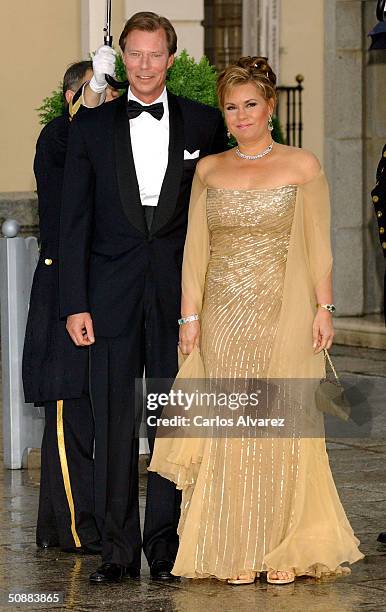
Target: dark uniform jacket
(379, 200)
(53, 367)
(107, 253)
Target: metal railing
(23, 423)
(290, 111)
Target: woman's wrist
(326, 307)
(188, 319)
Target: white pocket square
(193, 155)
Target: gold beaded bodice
(249, 238)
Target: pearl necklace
(252, 157)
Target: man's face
(146, 58)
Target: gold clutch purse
(329, 396)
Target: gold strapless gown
(249, 509)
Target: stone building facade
(355, 132)
(324, 40)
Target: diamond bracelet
(330, 307)
(193, 317)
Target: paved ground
(359, 466)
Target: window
(241, 27)
(223, 31)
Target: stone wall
(42, 38)
(355, 129)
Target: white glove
(103, 63)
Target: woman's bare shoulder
(303, 162)
(208, 164)
(308, 164)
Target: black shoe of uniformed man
(113, 572)
(161, 570)
(382, 537)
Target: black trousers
(114, 365)
(66, 503)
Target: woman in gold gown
(257, 272)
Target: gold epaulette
(76, 103)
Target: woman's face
(247, 112)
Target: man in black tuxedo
(125, 204)
(54, 370)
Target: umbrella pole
(108, 40)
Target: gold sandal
(247, 578)
(288, 580)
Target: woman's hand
(189, 337)
(322, 330)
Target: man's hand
(103, 63)
(80, 328)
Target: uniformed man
(55, 371)
(379, 200)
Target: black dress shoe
(92, 548)
(113, 572)
(382, 537)
(161, 570)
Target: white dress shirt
(150, 144)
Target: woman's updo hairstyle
(247, 70)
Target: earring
(270, 123)
(229, 134)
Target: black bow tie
(134, 109)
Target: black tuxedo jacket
(106, 251)
(53, 367)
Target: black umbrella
(108, 39)
(381, 10)
(378, 36)
(378, 33)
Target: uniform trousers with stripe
(66, 504)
